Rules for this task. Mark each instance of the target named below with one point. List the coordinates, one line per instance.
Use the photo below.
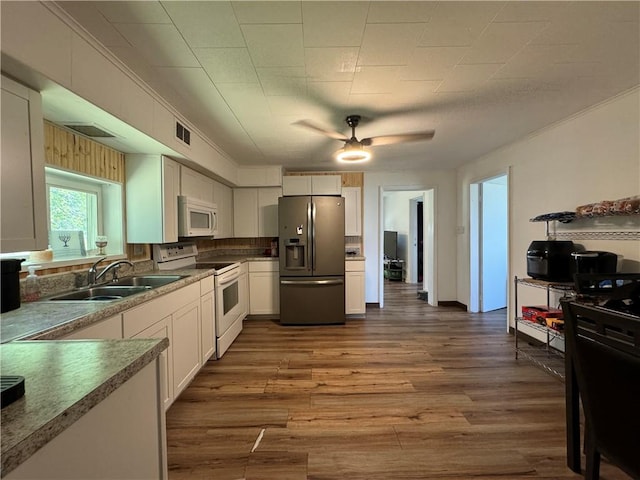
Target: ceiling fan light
(351, 154)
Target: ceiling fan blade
(328, 133)
(400, 138)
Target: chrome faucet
(93, 276)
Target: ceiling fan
(353, 150)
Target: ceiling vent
(183, 133)
(90, 131)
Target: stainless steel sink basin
(102, 293)
(152, 281)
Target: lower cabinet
(264, 287)
(162, 329)
(185, 334)
(175, 315)
(207, 319)
(354, 280)
(123, 436)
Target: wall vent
(183, 133)
(90, 131)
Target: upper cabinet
(352, 211)
(22, 192)
(312, 185)
(223, 198)
(195, 185)
(255, 212)
(153, 186)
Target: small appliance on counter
(595, 262)
(10, 295)
(551, 260)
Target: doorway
(488, 234)
(410, 213)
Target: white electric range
(230, 288)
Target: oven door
(228, 300)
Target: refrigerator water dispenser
(294, 255)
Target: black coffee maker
(10, 288)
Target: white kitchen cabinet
(268, 211)
(23, 201)
(264, 287)
(245, 212)
(153, 186)
(109, 328)
(223, 198)
(162, 329)
(196, 185)
(177, 316)
(243, 291)
(185, 336)
(122, 437)
(354, 279)
(255, 212)
(352, 211)
(312, 185)
(207, 319)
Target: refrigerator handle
(313, 235)
(310, 245)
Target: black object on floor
(12, 389)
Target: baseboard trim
(454, 304)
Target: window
(74, 206)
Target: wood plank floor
(411, 392)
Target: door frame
(476, 239)
(429, 227)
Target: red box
(540, 313)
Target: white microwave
(196, 218)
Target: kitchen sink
(102, 293)
(119, 289)
(152, 281)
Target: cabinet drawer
(264, 266)
(354, 266)
(206, 285)
(145, 315)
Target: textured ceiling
(482, 74)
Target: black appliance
(595, 262)
(10, 270)
(551, 260)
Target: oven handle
(312, 282)
(228, 277)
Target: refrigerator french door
(311, 237)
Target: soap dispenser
(31, 287)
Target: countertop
(63, 381)
(49, 319)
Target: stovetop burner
(215, 265)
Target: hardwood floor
(410, 392)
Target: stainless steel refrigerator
(311, 245)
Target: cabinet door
(296, 185)
(354, 292)
(195, 185)
(207, 326)
(110, 328)
(223, 198)
(268, 211)
(352, 211)
(326, 185)
(185, 330)
(162, 329)
(245, 212)
(22, 190)
(170, 192)
(264, 293)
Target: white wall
(443, 183)
(592, 156)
